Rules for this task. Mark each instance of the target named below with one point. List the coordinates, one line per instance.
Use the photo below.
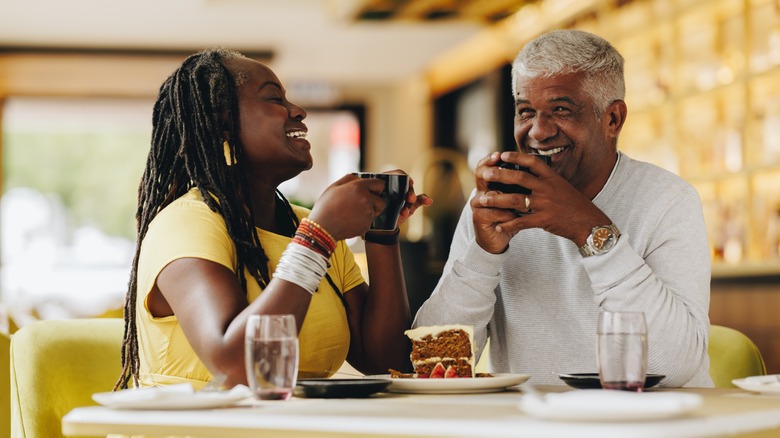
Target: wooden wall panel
(752, 307)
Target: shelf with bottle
(763, 122)
(650, 137)
(743, 223)
(649, 68)
(765, 215)
(710, 45)
(709, 133)
(726, 214)
(763, 35)
(701, 137)
(731, 130)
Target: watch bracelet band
(383, 238)
(586, 250)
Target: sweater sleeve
(465, 293)
(669, 282)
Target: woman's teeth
(296, 134)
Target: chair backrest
(732, 356)
(5, 385)
(57, 366)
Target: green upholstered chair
(57, 366)
(732, 356)
(5, 385)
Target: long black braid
(195, 106)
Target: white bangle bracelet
(302, 266)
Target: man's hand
(553, 205)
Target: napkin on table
(164, 393)
(597, 402)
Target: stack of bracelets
(306, 260)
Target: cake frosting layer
(450, 345)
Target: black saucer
(591, 380)
(339, 388)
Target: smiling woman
(218, 242)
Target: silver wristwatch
(601, 239)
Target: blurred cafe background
(422, 85)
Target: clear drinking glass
(271, 343)
(622, 350)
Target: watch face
(601, 238)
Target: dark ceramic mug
(394, 193)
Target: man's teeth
(297, 134)
(550, 152)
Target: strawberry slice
(438, 371)
(450, 373)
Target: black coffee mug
(514, 188)
(394, 193)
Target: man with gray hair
(596, 230)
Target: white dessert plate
(600, 405)
(762, 384)
(173, 397)
(460, 385)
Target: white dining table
(724, 412)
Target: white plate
(762, 384)
(460, 385)
(172, 397)
(601, 405)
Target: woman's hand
(347, 207)
(413, 201)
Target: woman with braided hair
(218, 242)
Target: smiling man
(599, 231)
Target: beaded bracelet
(311, 235)
(383, 238)
(310, 245)
(319, 230)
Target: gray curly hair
(574, 51)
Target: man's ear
(615, 117)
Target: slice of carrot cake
(442, 351)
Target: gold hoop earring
(226, 150)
